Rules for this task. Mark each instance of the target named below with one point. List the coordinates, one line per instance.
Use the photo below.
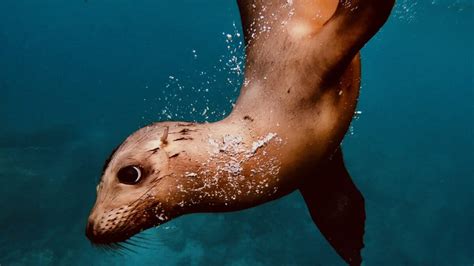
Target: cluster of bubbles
(407, 10)
(204, 94)
(207, 94)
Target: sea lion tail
(337, 208)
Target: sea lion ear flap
(164, 137)
(337, 208)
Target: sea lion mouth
(115, 244)
(112, 230)
(118, 226)
(119, 242)
(108, 242)
(106, 238)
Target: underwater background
(77, 77)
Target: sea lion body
(285, 129)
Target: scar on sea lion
(247, 117)
(301, 85)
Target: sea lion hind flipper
(337, 208)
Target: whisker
(140, 241)
(122, 246)
(135, 244)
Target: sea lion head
(137, 190)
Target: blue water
(77, 77)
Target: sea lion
(298, 98)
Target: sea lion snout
(110, 226)
(98, 235)
(90, 233)
(93, 233)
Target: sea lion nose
(90, 233)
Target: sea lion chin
(298, 98)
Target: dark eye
(130, 175)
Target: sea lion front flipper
(337, 208)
